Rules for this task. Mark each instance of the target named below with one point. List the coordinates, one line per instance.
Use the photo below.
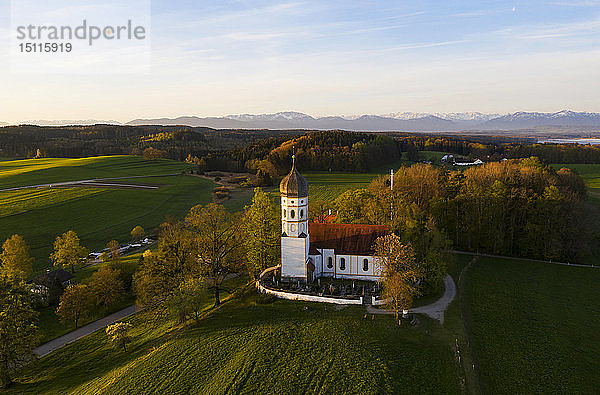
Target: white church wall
(327, 255)
(293, 257)
(318, 262)
(307, 298)
(343, 264)
(355, 271)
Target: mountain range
(400, 121)
(68, 122)
(405, 121)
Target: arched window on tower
(301, 213)
(342, 263)
(330, 263)
(284, 214)
(365, 265)
(292, 214)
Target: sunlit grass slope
(97, 215)
(17, 173)
(536, 326)
(276, 347)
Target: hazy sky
(212, 58)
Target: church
(314, 250)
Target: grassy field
(255, 345)
(49, 170)
(536, 326)
(96, 214)
(330, 185)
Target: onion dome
(294, 185)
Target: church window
(330, 263)
(292, 214)
(301, 213)
(292, 228)
(292, 202)
(365, 265)
(342, 263)
(284, 213)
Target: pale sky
(213, 58)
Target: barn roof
(49, 277)
(294, 185)
(346, 238)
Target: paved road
(435, 310)
(92, 182)
(90, 328)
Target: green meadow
(24, 172)
(254, 344)
(516, 327)
(328, 186)
(536, 326)
(96, 214)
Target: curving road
(435, 310)
(85, 330)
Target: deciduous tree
(15, 262)
(106, 286)
(118, 334)
(75, 303)
(157, 282)
(137, 233)
(68, 251)
(18, 332)
(400, 271)
(113, 247)
(217, 244)
(262, 231)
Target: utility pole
(392, 195)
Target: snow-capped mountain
(451, 116)
(520, 120)
(401, 121)
(278, 116)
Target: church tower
(294, 226)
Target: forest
(247, 150)
(514, 207)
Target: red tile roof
(348, 239)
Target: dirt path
(88, 329)
(434, 310)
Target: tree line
(267, 151)
(516, 207)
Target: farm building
(313, 250)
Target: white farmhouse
(313, 250)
